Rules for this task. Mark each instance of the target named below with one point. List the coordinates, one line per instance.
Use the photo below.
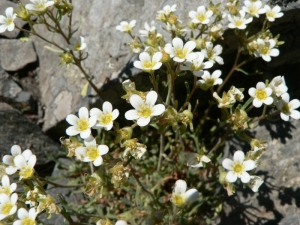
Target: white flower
(255, 183)
(181, 197)
(167, 10)
(8, 205)
(6, 187)
(144, 110)
(238, 167)
(81, 125)
(7, 23)
(239, 21)
(39, 5)
(278, 85)
(148, 29)
(106, 117)
(261, 94)
(201, 16)
(9, 159)
(92, 152)
(196, 160)
(273, 13)
(120, 222)
(180, 53)
(147, 62)
(210, 80)
(197, 65)
(212, 53)
(25, 217)
(288, 107)
(25, 166)
(76, 44)
(266, 49)
(253, 8)
(125, 26)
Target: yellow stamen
(28, 221)
(238, 168)
(261, 94)
(6, 207)
(180, 53)
(105, 119)
(201, 17)
(83, 124)
(26, 172)
(93, 153)
(144, 111)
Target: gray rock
(15, 54)
(8, 87)
(15, 128)
(278, 198)
(4, 4)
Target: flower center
(197, 67)
(28, 221)
(106, 118)
(178, 200)
(40, 6)
(77, 46)
(144, 111)
(5, 190)
(238, 23)
(9, 21)
(149, 64)
(261, 94)
(127, 28)
(26, 172)
(6, 207)
(210, 81)
(253, 11)
(201, 17)
(285, 108)
(180, 53)
(270, 14)
(265, 50)
(83, 124)
(238, 168)
(93, 153)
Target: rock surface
(15, 128)
(15, 54)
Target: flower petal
(103, 149)
(72, 131)
(131, 115)
(72, 119)
(136, 101)
(151, 98)
(83, 113)
(231, 176)
(227, 164)
(180, 187)
(158, 110)
(191, 195)
(249, 165)
(98, 161)
(238, 156)
(15, 150)
(245, 177)
(143, 121)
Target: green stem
(161, 151)
(190, 95)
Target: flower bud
(165, 56)
(23, 13)
(123, 134)
(70, 144)
(94, 185)
(119, 174)
(66, 59)
(104, 222)
(239, 119)
(172, 19)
